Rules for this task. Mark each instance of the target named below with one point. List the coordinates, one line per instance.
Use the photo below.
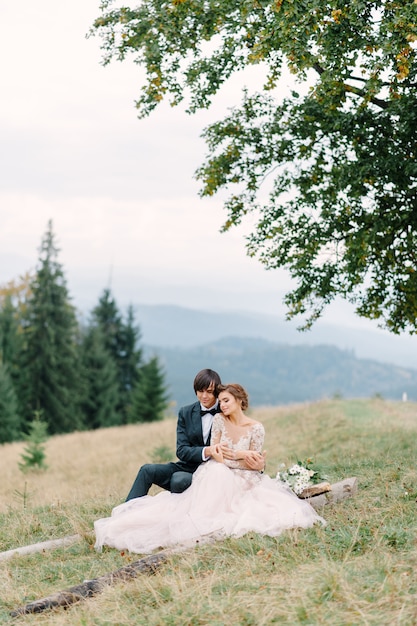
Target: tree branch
(354, 90)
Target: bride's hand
(254, 460)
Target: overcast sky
(120, 191)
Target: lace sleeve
(257, 438)
(254, 440)
(216, 429)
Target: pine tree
(13, 299)
(9, 331)
(121, 340)
(99, 381)
(130, 362)
(10, 338)
(50, 356)
(10, 423)
(34, 454)
(107, 315)
(150, 398)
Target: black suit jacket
(190, 442)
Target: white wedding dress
(223, 500)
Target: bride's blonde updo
(237, 392)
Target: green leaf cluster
(329, 171)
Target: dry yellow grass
(84, 465)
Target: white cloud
(120, 191)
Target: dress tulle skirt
(221, 502)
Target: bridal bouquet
(299, 476)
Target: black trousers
(169, 476)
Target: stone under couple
(216, 489)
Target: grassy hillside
(360, 569)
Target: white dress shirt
(206, 422)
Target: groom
(193, 436)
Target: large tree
(50, 354)
(330, 171)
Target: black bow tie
(211, 411)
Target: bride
(224, 499)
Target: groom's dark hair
(205, 378)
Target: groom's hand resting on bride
(217, 453)
(251, 459)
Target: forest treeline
(75, 374)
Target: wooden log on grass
(40, 547)
(89, 588)
(339, 491)
(315, 490)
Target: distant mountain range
(272, 360)
(173, 326)
(277, 374)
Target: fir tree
(10, 339)
(130, 362)
(9, 331)
(34, 454)
(107, 316)
(13, 300)
(121, 340)
(50, 356)
(150, 398)
(10, 423)
(99, 381)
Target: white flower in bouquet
(298, 477)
